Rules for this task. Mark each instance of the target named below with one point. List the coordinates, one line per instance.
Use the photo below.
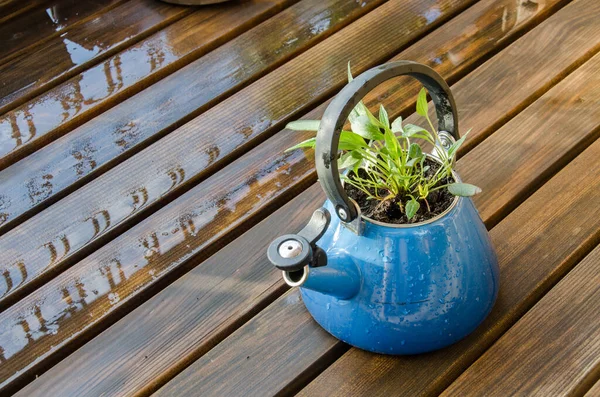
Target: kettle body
(422, 287)
(391, 289)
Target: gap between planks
(12, 11)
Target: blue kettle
(387, 288)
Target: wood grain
(107, 284)
(41, 24)
(93, 223)
(252, 362)
(12, 8)
(554, 350)
(547, 230)
(541, 129)
(60, 58)
(67, 173)
(176, 162)
(66, 106)
(193, 314)
(117, 355)
(118, 133)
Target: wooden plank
(12, 8)
(257, 356)
(62, 57)
(123, 277)
(554, 350)
(44, 23)
(57, 111)
(35, 257)
(274, 163)
(169, 166)
(204, 306)
(547, 226)
(127, 128)
(567, 105)
(67, 173)
(192, 336)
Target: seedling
(384, 161)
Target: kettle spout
(306, 265)
(342, 283)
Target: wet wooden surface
(22, 33)
(57, 111)
(142, 176)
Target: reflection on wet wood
(547, 226)
(43, 23)
(228, 212)
(66, 106)
(488, 25)
(260, 171)
(113, 135)
(205, 305)
(61, 57)
(236, 122)
(552, 350)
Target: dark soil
(389, 211)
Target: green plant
(394, 164)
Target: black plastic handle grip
(336, 114)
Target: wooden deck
(142, 177)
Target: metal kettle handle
(336, 114)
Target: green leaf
(392, 144)
(423, 190)
(454, 148)
(414, 151)
(411, 162)
(374, 120)
(383, 117)
(397, 126)
(303, 125)
(363, 126)
(350, 141)
(422, 107)
(411, 208)
(348, 160)
(411, 129)
(463, 189)
(307, 143)
(359, 110)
